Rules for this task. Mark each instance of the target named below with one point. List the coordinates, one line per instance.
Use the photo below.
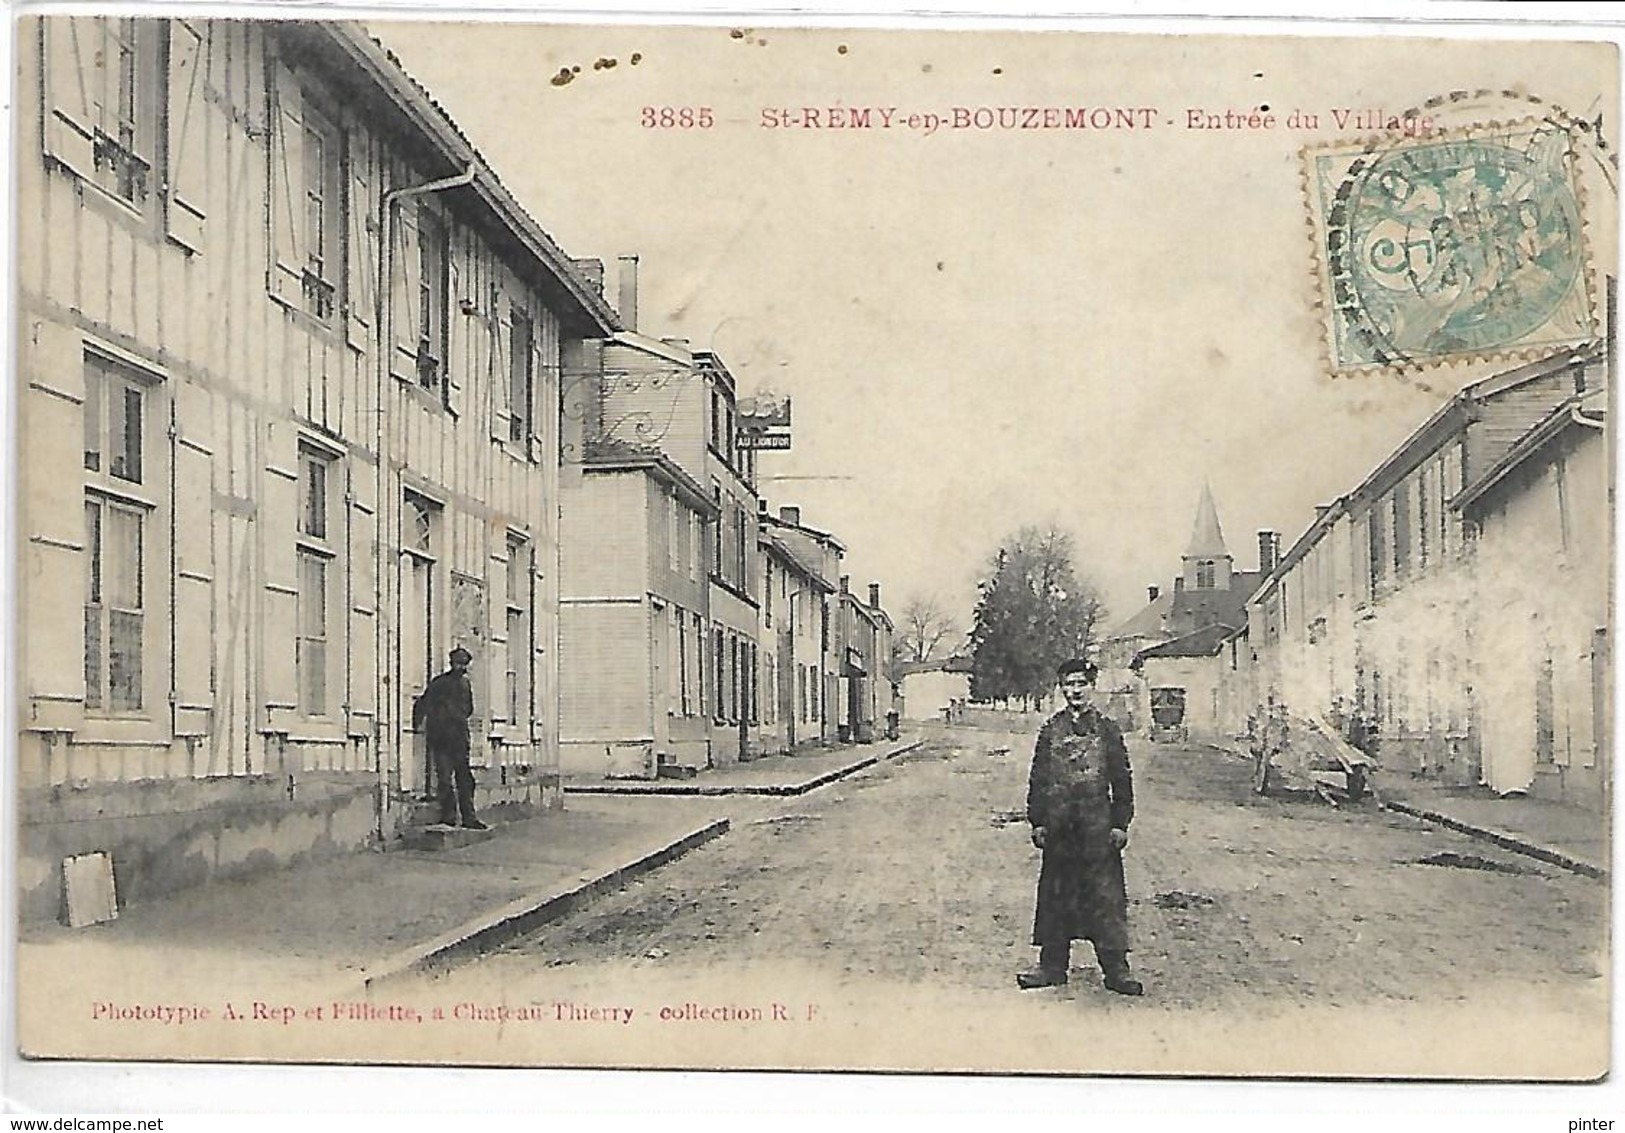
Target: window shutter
(70, 46)
(187, 168)
(287, 191)
(277, 518)
(362, 614)
(501, 371)
(361, 253)
(403, 275)
(451, 372)
(194, 564)
(50, 438)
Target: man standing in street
(1080, 801)
(442, 715)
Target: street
(893, 909)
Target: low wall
(164, 835)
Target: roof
(1207, 538)
(620, 456)
(958, 664)
(585, 308)
(785, 551)
(1586, 410)
(1204, 642)
(1146, 623)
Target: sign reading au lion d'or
(1452, 246)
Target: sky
(986, 329)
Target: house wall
(927, 694)
(175, 287)
(1544, 712)
(1199, 677)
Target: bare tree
(927, 628)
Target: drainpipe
(1580, 418)
(382, 286)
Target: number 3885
(677, 118)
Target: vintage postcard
(992, 549)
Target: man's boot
(1114, 969)
(1053, 961)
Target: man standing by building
(442, 715)
(1080, 801)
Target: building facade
(311, 348)
(1388, 619)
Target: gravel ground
(1274, 936)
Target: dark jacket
(1081, 787)
(443, 711)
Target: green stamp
(1437, 248)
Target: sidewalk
(346, 923)
(779, 776)
(1559, 834)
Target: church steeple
(1207, 560)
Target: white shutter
(51, 607)
(451, 367)
(70, 47)
(194, 564)
(278, 512)
(404, 272)
(501, 371)
(361, 250)
(362, 626)
(188, 130)
(287, 200)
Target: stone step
(441, 837)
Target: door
(417, 664)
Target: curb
(1506, 841)
(714, 790)
(488, 932)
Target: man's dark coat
(1081, 787)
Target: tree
(926, 628)
(1034, 611)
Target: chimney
(592, 271)
(628, 306)
(1179, 585)
(790, 515)
(846, 583)
(1151, 593)
(874, 595)
(761, 506)
(1269, 550)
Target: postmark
(1455, 245)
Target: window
(716, 420)
(1424, 495)
(1402, 527)
(307, 205)
(720, 664)
(433, 286)
(124, 134)
(1204, 575)
(517, 692)
(315, 599)
(812, 683)
(114, 420)
(699, 664)
(521, 377)
(697, 549)
(767, 592)
(321, 213)
(753, 677)
(311, 647)
(673, 507)
(716, 549)
(684, 702)
(114, 606)
(741, 527)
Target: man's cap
(461, 654)
(1078, 665)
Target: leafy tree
(1034, 611)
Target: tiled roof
(1204, 642)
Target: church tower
(1207, 562)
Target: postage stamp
(1451, 246)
